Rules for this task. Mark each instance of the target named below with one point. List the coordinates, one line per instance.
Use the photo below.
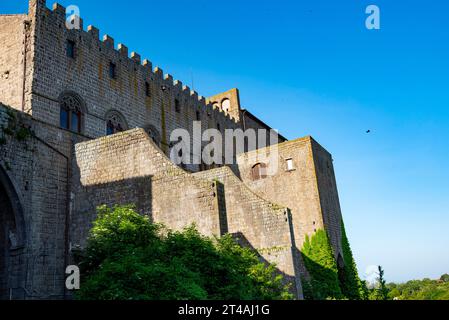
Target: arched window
(226, 105)
(115, 123)
(259, 171)
(71, 112)
(154, 134)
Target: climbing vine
(327, 280)
(321, 265)
(350, 283)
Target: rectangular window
(112, 70)
(64, 119)
(71, 49)
(290, 166)
(147, 89)
(198, 116)
(75, 125)
(218, 127)
(177, 106)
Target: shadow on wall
(288, 279)
(134, 191)
(321, 283)
(12, 242)
(137, 192)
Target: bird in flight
(368, 131)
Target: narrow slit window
(147, 89)
(112, 70)
(71, 49)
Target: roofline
(246, 111)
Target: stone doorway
(12, 262)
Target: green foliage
(444, 278)
(129, 258)
(364, 291)
(322, 267)
(382, 291)
(350, 283)
(425, 289)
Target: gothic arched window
(71, 112)
(154, 134)
(115, 123)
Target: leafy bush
(425, 289)
(129, 258)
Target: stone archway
(12, 241)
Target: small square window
(71, 49)
(112, 70)
(177, 106)
(290, 166)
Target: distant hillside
(421, 289)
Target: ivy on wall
(350, 283)
(320, 263)
(327, 280)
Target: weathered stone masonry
(60, 158)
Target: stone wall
(304, 189)
(167, 106)
(37, 167)
(258, 223)
(329, 201)
(12, 45)
(128, 168)
(143, 97)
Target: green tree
(364, 290)
(420, 290)
(129, 258)
(444, 278)
(382, 291)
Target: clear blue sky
(311, 67)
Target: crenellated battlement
(107, 45)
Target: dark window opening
(76, 122)
(218, 127)
(115, 123)
(109, 128)
(198, 116)
(112, 70)
(70, 115)
(147, 89)
(177, 106)
(64, 118)
(71, 49)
